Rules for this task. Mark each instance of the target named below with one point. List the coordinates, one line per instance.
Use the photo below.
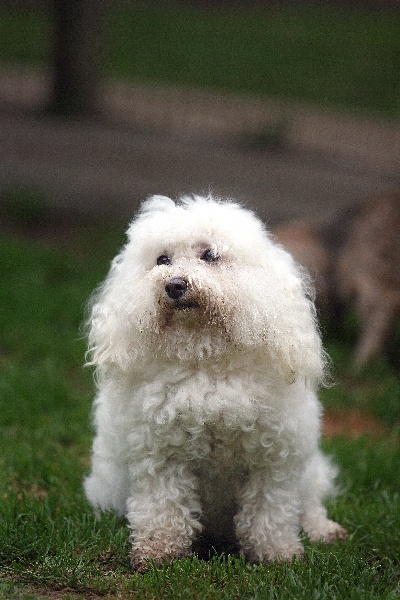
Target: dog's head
(200, 279)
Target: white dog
(208, 357)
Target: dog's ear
(302, 356)
(298, 346)
(109, 335)
(278, 315)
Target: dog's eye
(209, 256)
(163, 260)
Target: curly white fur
(207, 358)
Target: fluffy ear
(301, 348)
(279, 315)
(108, 322)
(298, 345)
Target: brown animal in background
(354, 259)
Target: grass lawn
(315, 53)
(50, 544)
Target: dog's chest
(220, 401)
(222, 419)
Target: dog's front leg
(163, 512)
(267, 524)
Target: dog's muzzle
(178, 290)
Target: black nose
(176, 288)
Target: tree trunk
(77, 56)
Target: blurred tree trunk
(77, 55)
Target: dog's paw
(287, 554)
(328, 534)
(338, 533)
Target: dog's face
(187, 286)
(185, 299)
(197, 280)
(197, 267)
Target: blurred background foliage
(334, 55)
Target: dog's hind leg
(316, 484)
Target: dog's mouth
(185, 305)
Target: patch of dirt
(31, 591)
(351, 423)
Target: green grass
(316, 53)
(49, 539)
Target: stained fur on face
(207, 356)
